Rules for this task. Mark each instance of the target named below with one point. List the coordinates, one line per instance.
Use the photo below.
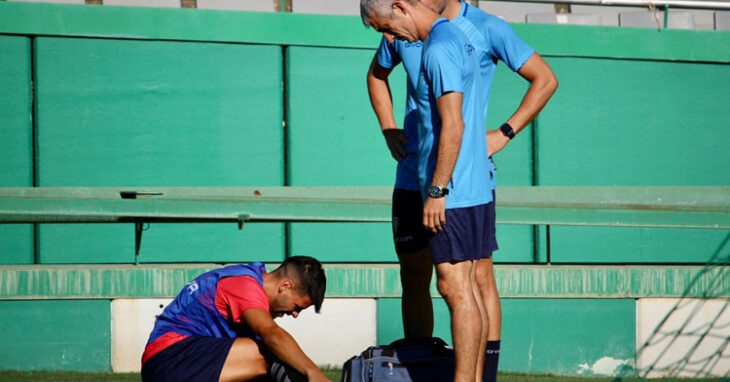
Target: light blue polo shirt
(491, 36)
(494, 40)
(390, 55)
(450, 63)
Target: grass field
(13, 376)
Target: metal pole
(719, 5)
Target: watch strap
(507, 130)
(437, 192)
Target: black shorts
(465, 236)
(196, 358)
(409, 235)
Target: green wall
(153, 113)
(70, 335)
(555, 317)
(247, 102)
(16, 141)
(171, 97)
(636, 123)
(545, 335)
(335, 140)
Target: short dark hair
(310, 275)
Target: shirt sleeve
(507, 45)
(237, 294)
(443, 64)
(387, 56)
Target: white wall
(132, 322)
(681, 336)
(345, 327)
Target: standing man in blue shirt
(493, 40)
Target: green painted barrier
(179, 97)
(533, 330)
(99, 281)
(339, 31)
(16, 130)
(68, 335)
(667, 207)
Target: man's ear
(399, 8)
(285, 285)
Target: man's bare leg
(490, 296)
(455, 285)
(488, 288)
(244, 362)
(484, 320)
(416, 270)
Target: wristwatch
(507, 130)
(437, 192)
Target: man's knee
(454, 281)
(485, 273)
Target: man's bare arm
(452, 130)
(543, 84)
(382, 102)
(281, 344)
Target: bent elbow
(552, 83)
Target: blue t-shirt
(409, 53)
(450, 64)
(493, 38)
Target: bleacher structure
(585, 12)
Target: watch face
(435, 192)
(507, 131)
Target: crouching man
(221, 326)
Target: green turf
(333, 374)
(63, 376)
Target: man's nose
(389, 37)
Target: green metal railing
(687, 207)
(666, 207)
(669, 207)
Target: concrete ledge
(110, 281)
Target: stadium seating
(327, 7)
(145, 3)
(563, 18)
(677, 20)
(53, 1)
(722, 20)
(238, 5)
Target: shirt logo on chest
(192, 287)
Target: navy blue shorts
(492, 227)
(409, 235)
(465, 236)
(196, 358)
